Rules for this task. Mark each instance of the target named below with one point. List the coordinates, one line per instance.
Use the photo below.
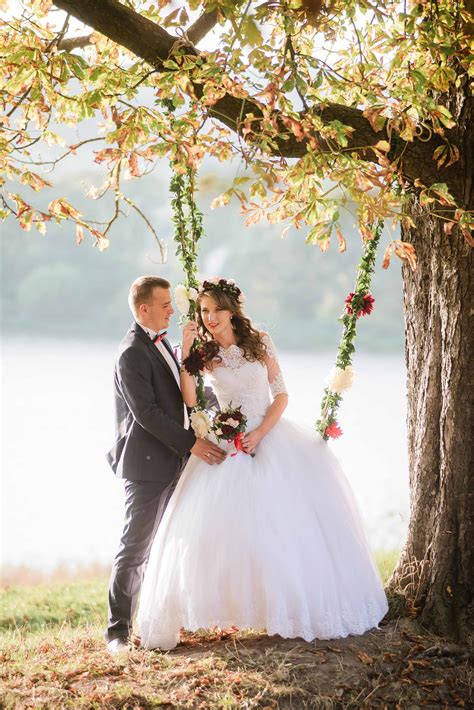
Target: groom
(152, 446)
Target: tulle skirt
(273, 542)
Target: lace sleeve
(275, 376)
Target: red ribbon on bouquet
(238, 444)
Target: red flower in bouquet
(360, 305)
(333, 431)
(230, 424)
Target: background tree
(370, 98)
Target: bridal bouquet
(230, 424)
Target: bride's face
(215, 318)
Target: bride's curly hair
(247, 337)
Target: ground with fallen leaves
(53, 656)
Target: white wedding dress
(273, 542)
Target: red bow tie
(159, 337)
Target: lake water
(61, 504)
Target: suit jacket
(152, 443)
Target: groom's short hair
(141, 290)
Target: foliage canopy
(323, 102)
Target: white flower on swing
(340, 379)
(181, 296)
(200, 423)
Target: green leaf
(251, 32)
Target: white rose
(181, 298)
(241, 299)
(340, 379)
(218, 432)
(200, 423)
(214, 280)
(232, 422)
(192, 294)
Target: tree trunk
(436, 568)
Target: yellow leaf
(382, 145)
(221, 200)
(323, 244)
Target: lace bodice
(249, 384)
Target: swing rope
(187, 220)
(188, 230)
(358, 303)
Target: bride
(274, 541)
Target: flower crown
(225, 285)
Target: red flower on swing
(360, 305)
(333, 431)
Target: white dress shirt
(171, 362)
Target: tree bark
(436, 568)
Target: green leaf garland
(187, 220)
(327, 424)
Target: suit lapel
(149, 344)
(167, 345)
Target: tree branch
(152, 43)
(202, 26)
(70, 43)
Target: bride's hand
(190, 333)
(250, 441)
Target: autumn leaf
(365, 658)
(341, 240)
(365, 232)
(386, 257)
(382, 145)
(221, 200)
(34, 181)
(405, 252)
(101, 240)
(41, 226)
(133, 165)
(374, 117)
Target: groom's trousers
(145, 502)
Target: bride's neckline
(232, 345)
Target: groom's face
(157, 312)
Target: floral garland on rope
(358, 303)
(188, 230)
(187, 220)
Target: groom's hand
(208, 452)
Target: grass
(52, 655)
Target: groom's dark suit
(151, 449)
